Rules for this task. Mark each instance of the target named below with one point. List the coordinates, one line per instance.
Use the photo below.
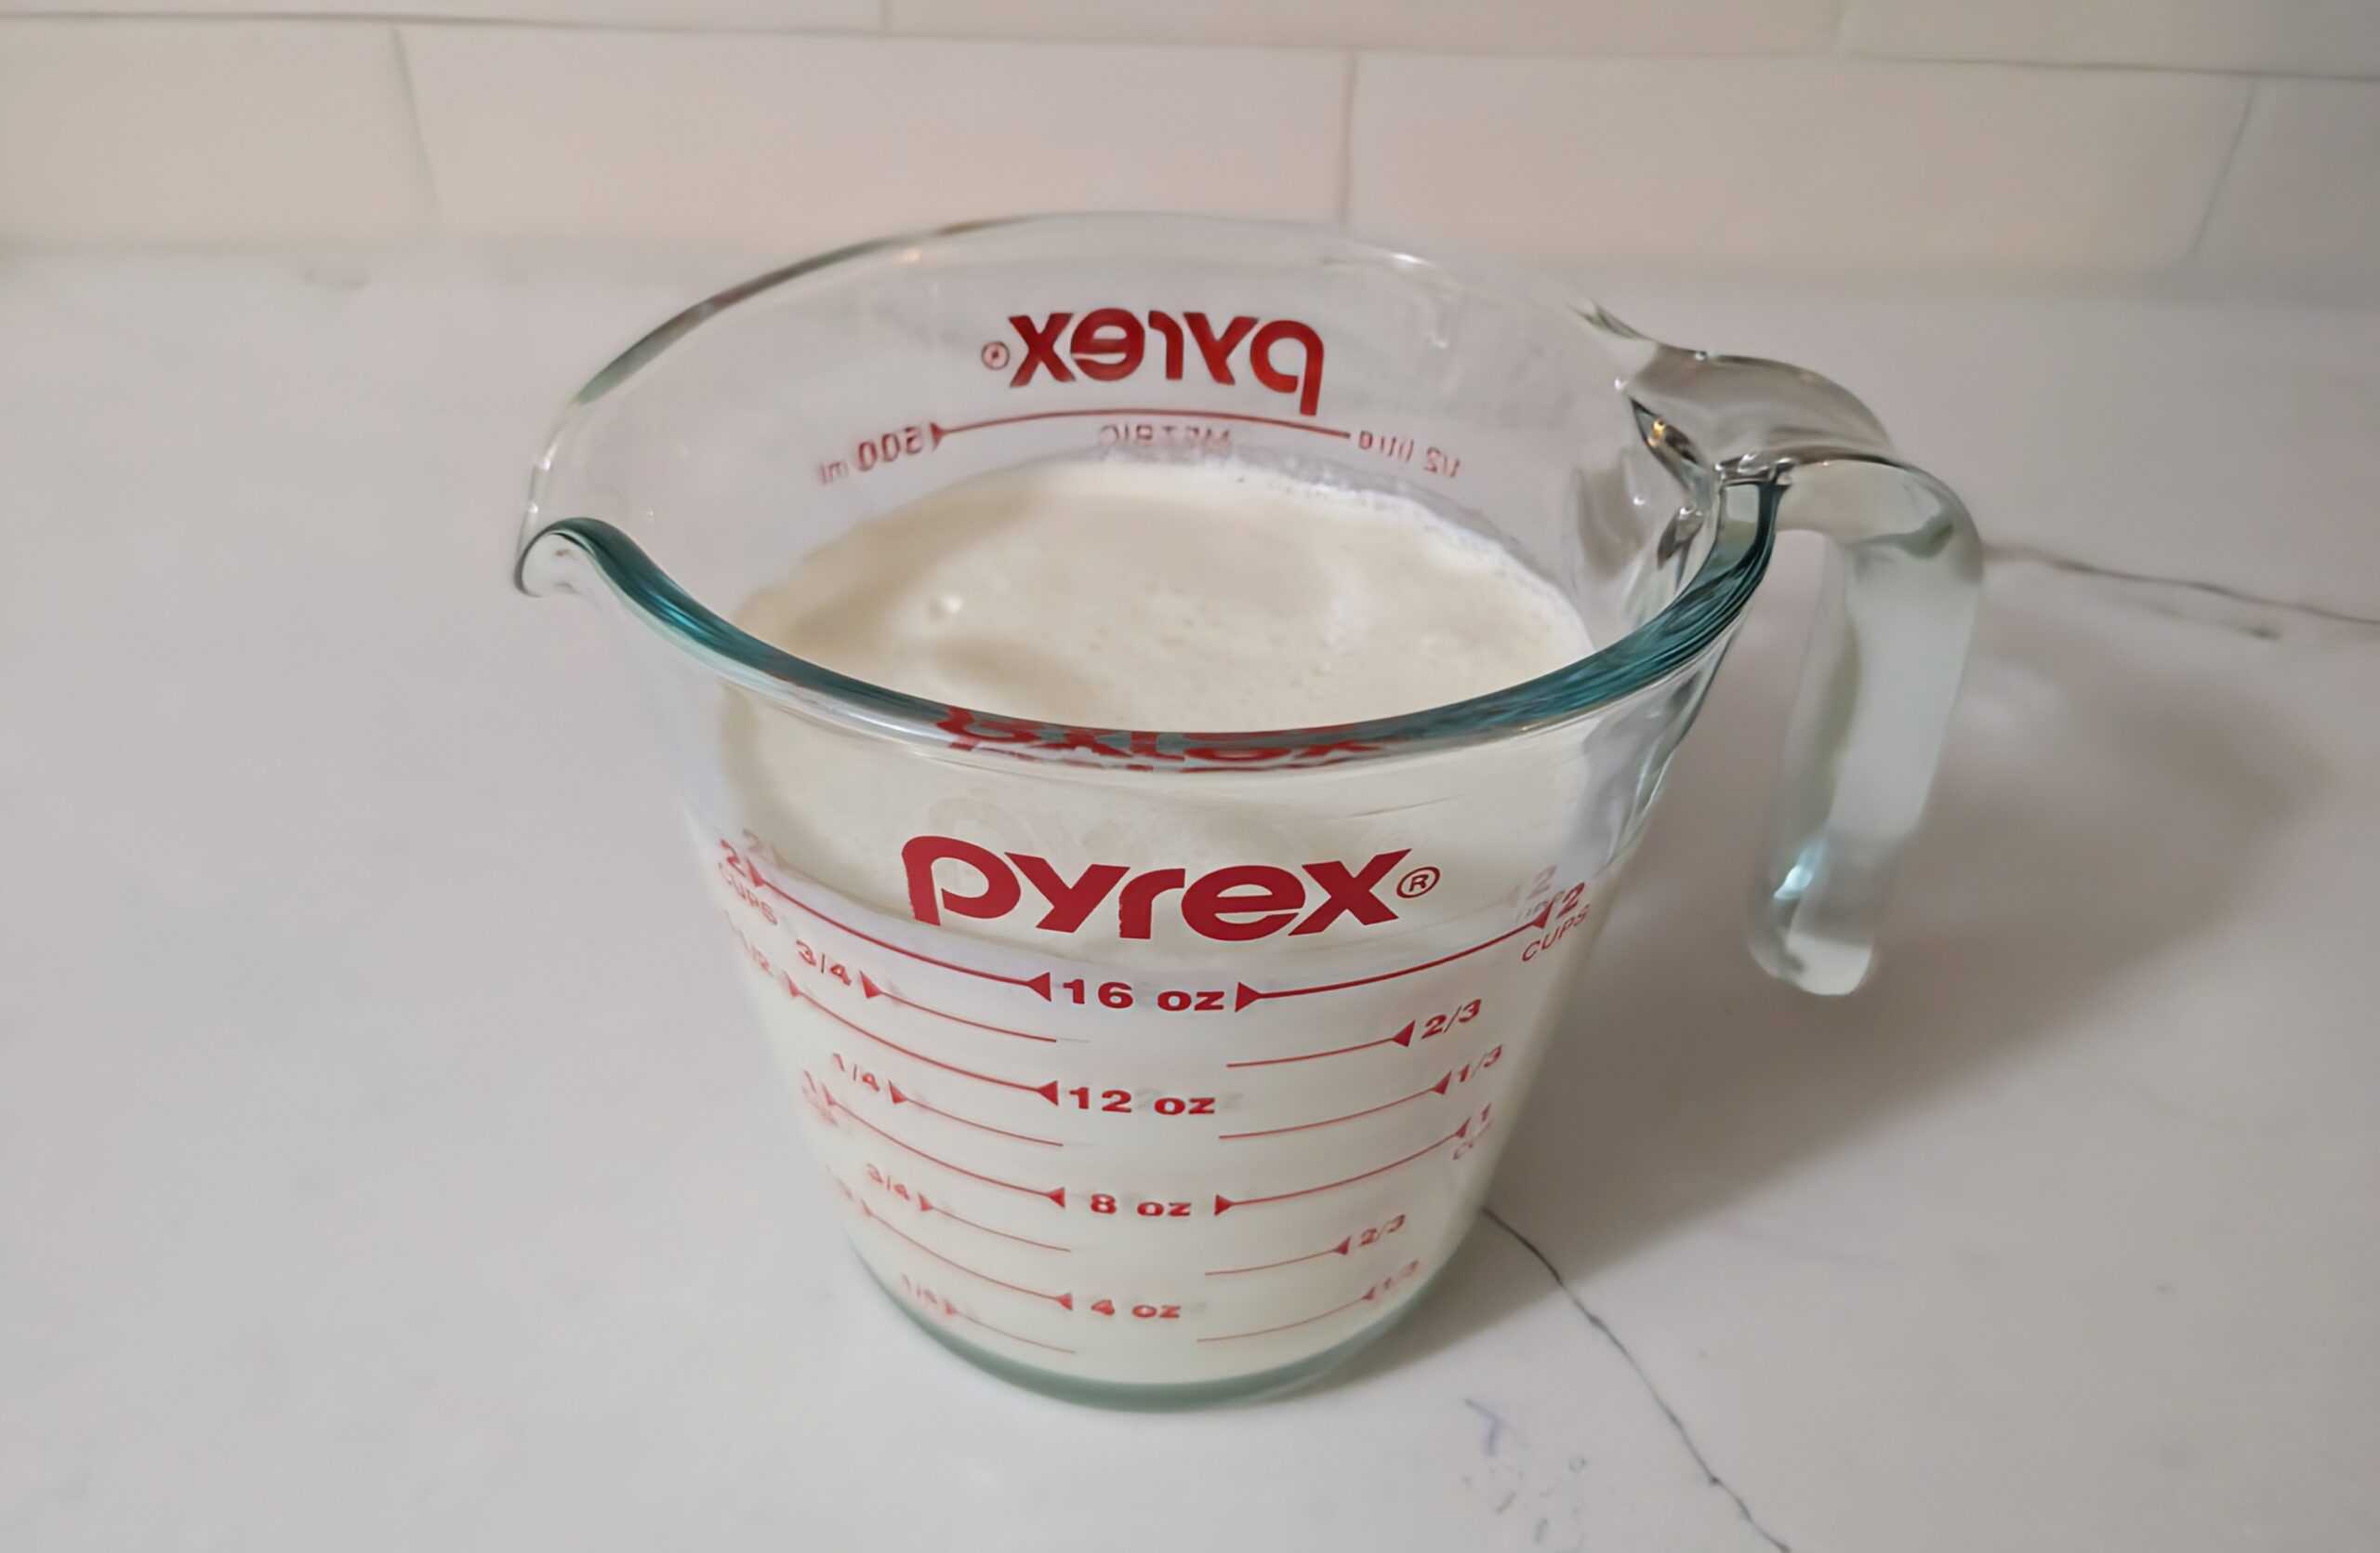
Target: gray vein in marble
(1494, 1426)
(1603, 1329)
(2036, 555)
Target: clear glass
(1155, 1067)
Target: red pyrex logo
(1235, 904)
(1109, 344)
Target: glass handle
(1895, 614)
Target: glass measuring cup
(1152, 1066)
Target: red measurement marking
(926, 1205)
(1034, 1342)
(940, 432)
(1402, 1038)
(1225, 1203)
(1039, 984)
(1047, 1091)
(1247, 994)
(1064, 1301)
(1371, 1293)
(902, 1098)
(1055, 1194)
(871, 990)
(1340, 1250)
(1438, 1088)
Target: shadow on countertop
(2096, 808)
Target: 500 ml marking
(884, 448)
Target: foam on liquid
(1210, 596)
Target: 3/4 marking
(1037, 985)
(898, 1189)
(869, 988)
(927, 1205)
(1063, 1301)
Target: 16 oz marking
(1171, 1000)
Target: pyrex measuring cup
(1152, 1065)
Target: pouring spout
(554, 560)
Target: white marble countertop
(382, 1165)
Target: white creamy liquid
(1069, 1079)
(1145, 595)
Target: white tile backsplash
(2318, 37)
(758, 15)
(197, 131)
(1483, 26)
(2302, 195)
(2017, 136)
(1797, 162)
(795, 142)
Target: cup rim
(556, 554)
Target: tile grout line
(882, 28)
(1346, 138)
(2223, 173)
(422, 162)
